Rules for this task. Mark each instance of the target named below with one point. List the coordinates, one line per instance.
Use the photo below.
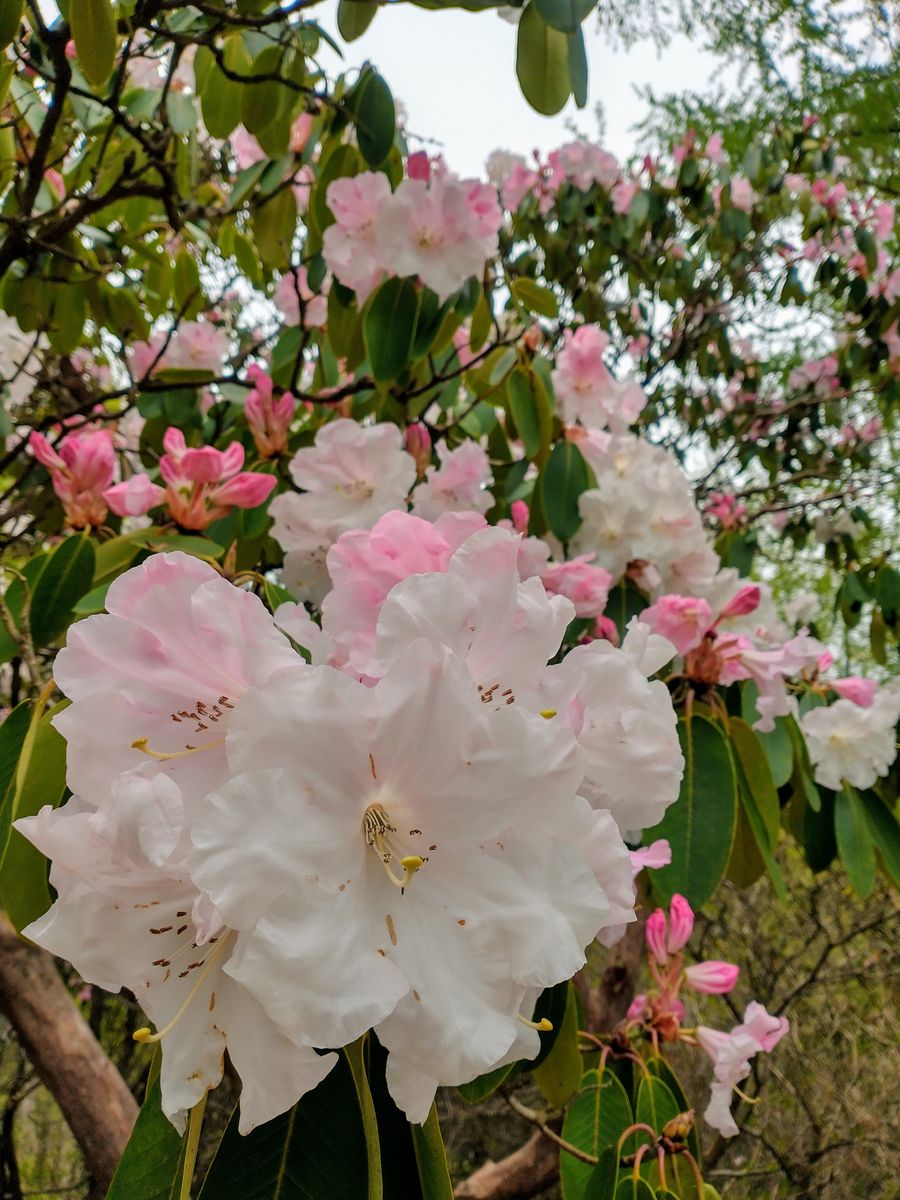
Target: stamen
(145, 1036)
(744, 1096)
(163, 756)
(379, 835)
(542, 1026)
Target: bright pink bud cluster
(82, 467)
(269, 418)
(202, 484)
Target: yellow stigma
(381, 835)
(548, 713)
(411, 863)
(145, 1036)
(542, 1026)
(142, 744)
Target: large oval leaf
(542, 63)
(562, 481)
(67, 576)
(150, 1168)
(93, 26)
(389, 328)
(565, 15)
(699, 826)
(372, 107)
(594, 1120)
(854, 840)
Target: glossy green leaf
(759, 812)
(563, 479)
(485, 1085)
(431, 1159)
(354, 17)
(315, 1151)
(372, 107)
(602, 1182)
(542, 63)
(854, 840)
(593, 1121)
(565, 15)
(578, 68)
(559, 1075)
(655, 1104)
(93, 27)
(389, 328)
(150, 1167)
(776, 744)
(274, 224)
(885, 830)
(699, 826)
(535, 297)
(260, 102)
(631, 1188)
(523, 407)
(40, 779)
(64, 580)
(11, 12)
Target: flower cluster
(276, 856)
(82, 467)
(854, 739)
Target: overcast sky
(455, 72)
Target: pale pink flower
(135, 497)
(82, 466)
(584, 387)
(684, 620)
(298, 303)
(269, 418)
(353, 475)
(195, 346)
(350, 247)
(458, 484)
(657, 854)
(856, 689)
(731, 1054)
(204, 484)
(742, 194)
(712, 977)
(714, 149)
(622, 195)
(585, 585)
(246, 148)
(519, 183)
(582, 164)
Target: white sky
(455, 73)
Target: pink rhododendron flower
(731, 1054)
(350, 246)
(585, 389)
(853, 687)
(684, 620)
(269, 418)
(713, 149)
(459, 484)
(464, 850)
(246, 148)
(353, 475)
(135, 497)
(742, 194)
(585, 585)
(582, 164)
(712, 977)
(82, 466)
(193, 346)
(298, 303)
(622, 195)
(203, 484)
(726, 509)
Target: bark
(606, 1001)
(525, 1172)
(70, 1062)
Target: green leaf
(602, 1182)
(274, 224)
(565, 15)
(40, 779)
(372, 106)
(663, 1070)
(887, 593)
(631, 1188)
(150, 1167)
(533, 426)
(655, 1104)
(559, 1075)
(485, 1085)
(534, 296)
(11, 12)
(777, 743)
(316, 1151)
(64, 580)
(854, 840)
(542, 63)
(561, 482)
(593, 1121)
(389, 328)
(261, 102)
(699, 826)
(759, 813)
(578, 68)
(885, 830)
(93, 27)
(93, 602)
(431, 1159)
(354, 17)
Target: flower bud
(518, 511)
(655, 933)
(743, 602)
(681, 923)
(636, 1009)
(712, 977)
(860, 691)
(417, 442)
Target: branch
(70, 1062)
(524, 1173)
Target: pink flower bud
(681, 923)
(605, 630)
(418, 166)
(518, 511)
(135, 497)
(712, 977)
(417, 442)
(636, 1009)
(655, 933)
(742, 603)
(854, 687)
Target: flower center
(203, 966)
(381, 835)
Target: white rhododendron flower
(847, 742)
(413, 862)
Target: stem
(195, 1125)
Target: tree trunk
(70, 1062)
